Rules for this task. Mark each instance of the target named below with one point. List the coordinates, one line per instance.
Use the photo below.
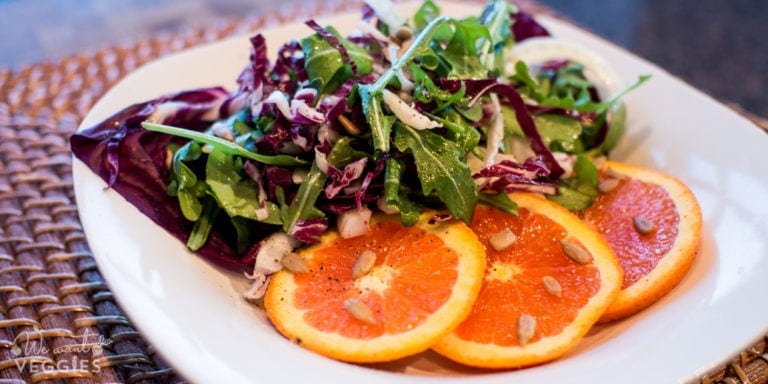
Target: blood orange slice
(549, 277)
(653, 223)
(381, 296)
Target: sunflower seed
(364, 264)
(502, 240)
(294, 263)
(576, 252)
(359, 310)
(643, 226)
(404, 34)
(526, 328)
(607, 185)
(349, 126)
(552, 286)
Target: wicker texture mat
(59, 321)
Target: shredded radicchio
(279, 177)
(528, 126)
(508, 176)
(289, 64)
(252, 80)
(309, 230)
(476, 88)
(341, 179)
(361, 193)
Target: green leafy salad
(401, 115)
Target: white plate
(192, 312)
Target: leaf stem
(225, 146)
(424, 37)
(373, 92)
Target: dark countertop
(717, 46)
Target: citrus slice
(549, 277)
(653, 223)
(387, 294)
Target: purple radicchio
(480, 87)
(508, 176)
(340, 179)
(310, 230)
(524, 27)
(133, 162)
(252, 80)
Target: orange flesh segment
(513, 283)
(402, 290)
(611, 215)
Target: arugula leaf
(371, 94)
(500, 201)
(603, 106)
(530, 87)
(560, 133)
(578, 192)
(203, 225)
(303, 205)
(396, 195)
(461, 53)
(440, 169)
(426, 91)
(616, 127)
(243, 231)
(235, 195)
(379, 123)
(185, 185)
(496, 19)
(224, 146)
(325, 65)
(458, 130)
(342, 153)
(426, 13)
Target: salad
(402, 115)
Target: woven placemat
(59, 321)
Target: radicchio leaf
(524, 27)
(133, 163)
(289, 66)
(252, 79)
(528, 126)
(508, 176)
(341, 179)
(477, 88)
(309, 230)
(279, 177)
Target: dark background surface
(718, 46)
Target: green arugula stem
(374, 91)
(422, 38)
(225, 146)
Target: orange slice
(544, 288)
(381, 296)
(653, 223)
